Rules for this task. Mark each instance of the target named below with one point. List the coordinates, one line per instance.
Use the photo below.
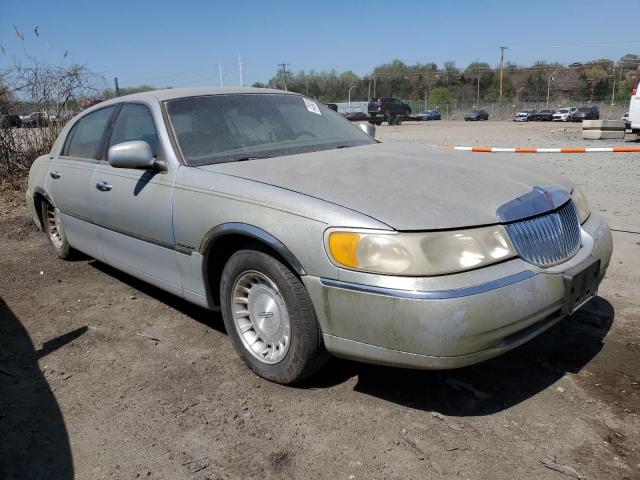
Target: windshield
(584, 109)
(563, 110)
(227, 128)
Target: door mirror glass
(134, 154)
(368, 128)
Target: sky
(181, 43)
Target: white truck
(634, 109)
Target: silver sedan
(312, 237)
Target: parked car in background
(429, 115)
(546, 115)
(385, 107)
(562, 114)
(10, 121)
(585, 113)
(475, 115)
(356, 116)
(36, 119)
(229, 199)
(526, 116)
(634, 109)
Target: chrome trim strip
(430, 295)
(538, 201)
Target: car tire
(53, 227)
(264, 304)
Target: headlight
(580, 201)
(418, 254)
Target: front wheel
(270, 318)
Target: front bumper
(463, 319)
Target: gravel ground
(102, 376)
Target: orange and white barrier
(480, 149)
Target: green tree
(584, 87)
(535, 88)
(601, 89)
(440, 96)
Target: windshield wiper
(253, 157)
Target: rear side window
(135, 122)
(86, 137)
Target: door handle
(103, 186)
(55, 174)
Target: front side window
(135, 122)
(226, 128)
(86, 139)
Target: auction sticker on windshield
(311, 106)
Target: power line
(169, 76)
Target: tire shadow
(501, 382)
(481, 389)
(34, 443)
(206, 317)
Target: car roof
(174, 93)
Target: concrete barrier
(602, 129)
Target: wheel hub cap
(260, 317)
(53, 224)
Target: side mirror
(368, 128)
(134, 154)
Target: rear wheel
(55, 231)
(270, 318)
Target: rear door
(70, 175)
(134, 207)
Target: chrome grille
(548, 239)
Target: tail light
(635, 89)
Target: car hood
(408, 187)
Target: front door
(70, 176)
(134, 207)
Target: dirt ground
(102, 376)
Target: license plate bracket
(580, 284)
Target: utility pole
(284, 72)
(502, 49)
(240, 67)
(613, 91)
(220, 72)
(117, 88)
(551, 77)
(478, 100)
(351, 88)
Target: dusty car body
(525, 116)
(563, 114)
(392, 254)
